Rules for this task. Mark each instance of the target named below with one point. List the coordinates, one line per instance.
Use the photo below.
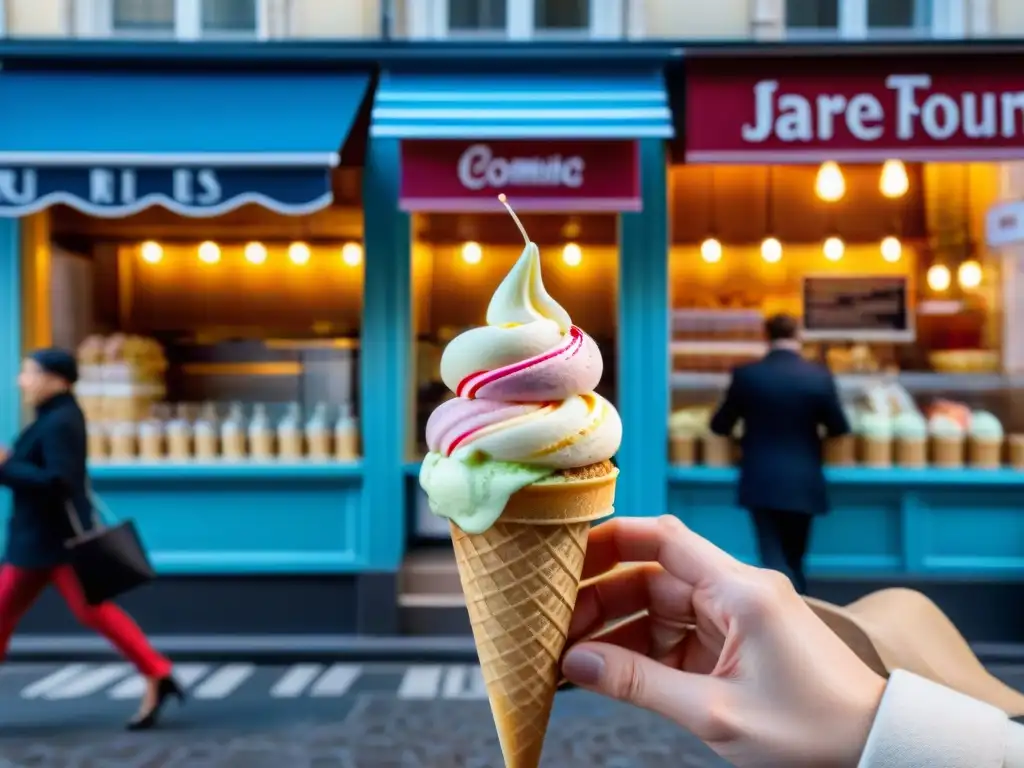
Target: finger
(619, 594)
(664, 539)
(628, 676)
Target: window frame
(948, 21)
(188, 23)
(428, 20)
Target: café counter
(884, 522)
(243, 518)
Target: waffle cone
(520, 579)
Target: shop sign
(845, 112)
(190, 191)
(536, 175)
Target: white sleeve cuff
(921, 724)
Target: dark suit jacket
(782, 399)
(46, 470)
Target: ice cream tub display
(947, 436)
(985, 441)
(519, 464)
(876, 440)
(910, 430)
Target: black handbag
(109, 560)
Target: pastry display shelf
(914, 381)
(891, 476)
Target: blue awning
(583, 106)
(199, 144)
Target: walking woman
(46, 473)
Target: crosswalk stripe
(89, 682)
(294, 682)
(186, 674)
(336, 681)
(53, 681)
(224, 681)
(420, 682)
(464, 683)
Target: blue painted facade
(277, 519)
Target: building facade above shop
(496, 20)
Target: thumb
(688, 699)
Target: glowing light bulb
(892, 249)
(830, 185)
(299, 253)
(572, 255)
(969, 274)
(711, 251)
(894, 181)
(352, 254)
(472, 253)
(255, 253)
(771, 250)
(833, 249)
(209, 252)
(938, 277)
(151, 252)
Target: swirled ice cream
(525, 410)
(910, 425)
(945, 427)
(875, 426)
(985, 426)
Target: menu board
(857, 308)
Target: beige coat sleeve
(920, 724)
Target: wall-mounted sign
(857, 308)
(190, 191)
(768, 110)
(536, 175)
(1004, 224)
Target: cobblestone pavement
(377, 731)
(377, 724)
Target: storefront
(851, 188)
(195, 237)
(581, 157)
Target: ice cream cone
(841, 451)
(683, 450)
(876, 452)
(520, 579)
(985, 453)
(947, 452)
(911, 452)
(1017, 451)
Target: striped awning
(524, 106)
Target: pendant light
(711, 248)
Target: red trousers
(20, 587)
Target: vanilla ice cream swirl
(524, 383)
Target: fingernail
(583, 667)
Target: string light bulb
(969, 274)
(151, 252)
(829, 185)
(938, 277)
(892, 249)
(572, 255)
(352, 254)
(771, 250)
(894, 181)
(711, 251)
(472, 253)
(299, 254)
(834, 249)
(209, 252)
(255, 253)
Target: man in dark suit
(782, 401)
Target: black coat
(45, 471)
(782, 399)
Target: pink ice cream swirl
(525, 394)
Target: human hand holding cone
(519, 464)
